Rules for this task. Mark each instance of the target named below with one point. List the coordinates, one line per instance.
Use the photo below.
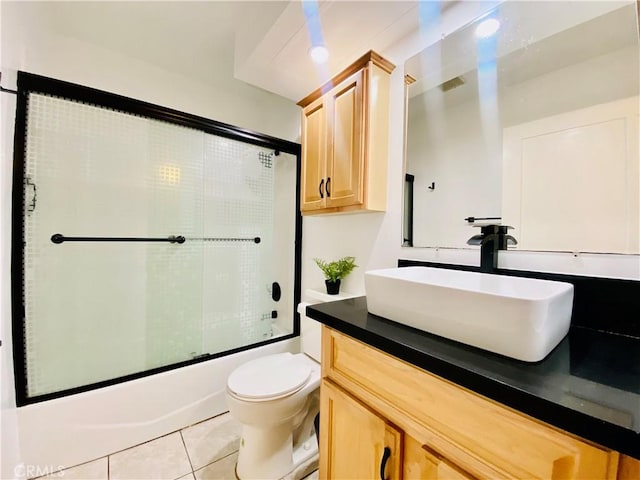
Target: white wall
(28, 44)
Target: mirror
(535, 127)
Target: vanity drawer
(473, 429)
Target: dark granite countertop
(588, 385)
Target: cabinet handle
(320, 188)
(327, 187)
(383, 462)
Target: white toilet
(276, 398)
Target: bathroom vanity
(400, 403)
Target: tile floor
(205, 451)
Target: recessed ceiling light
(487, 27)
(319, 53)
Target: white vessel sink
(522, 318)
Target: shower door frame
(32, 83)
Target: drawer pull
(327, 187)
(383, 462)
(320, 188)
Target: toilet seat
(269, 378)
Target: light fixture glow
(487, 27)
(319, 53)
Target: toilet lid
(268, 377)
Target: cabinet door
(355, 443)
(345, 158)
(628, 468)
(314, 141)
(422, 463)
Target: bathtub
(78, 428)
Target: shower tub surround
(180, 261)
(103, 174)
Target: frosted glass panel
(100, 310)
(238, 205)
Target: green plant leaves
(338, 269)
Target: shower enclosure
(145, 239)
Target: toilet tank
(310, 333)
(310, 330)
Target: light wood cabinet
(373, 445)
(629, 468)
(313, 155)
(422, 462)
(440, 429)
(345, 140)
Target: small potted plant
(335, 271)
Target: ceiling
(263, 43)
(266, 43)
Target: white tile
(224, 469)
(212, 439)
(188, 476)
(95, 470)
(164, 458)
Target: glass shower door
(249, 244)
(118, 296)
(98, 310)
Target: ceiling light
(319, 53)
(487, 27)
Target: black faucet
(491, 239)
